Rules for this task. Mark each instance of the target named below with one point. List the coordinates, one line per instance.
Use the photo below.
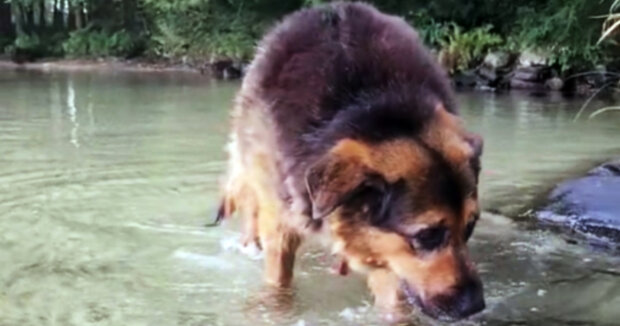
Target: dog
(345, 125)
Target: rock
(225, 69)
(584, 88)
(231, 73)
(536, 74)
(554, 84)
(598, 78)
(516, 83)
(588, 206)
(530, 78)
(493, 72)
(496, 60)
(531, 58)
(485, 88)
(609, 169)
(533, 73)
(467, 79)
(488, 73)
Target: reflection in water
(72, 113)
(107, 228)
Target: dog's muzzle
(460, 302)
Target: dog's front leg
(280, 245)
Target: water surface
(106, 181)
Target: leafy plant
(564, 29)
(208, 29)
(611, 26)
(88, 42)
(460, 49)
(431, 31)
(4, 41)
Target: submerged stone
(588, 206)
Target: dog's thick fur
(346, 125)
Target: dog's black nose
(464, 300)
(469, 298)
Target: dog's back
(333, 63)
(320, 61)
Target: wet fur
(336, 97)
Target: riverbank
(70, 65)
(499, 71)
(221, 69)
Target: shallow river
(107, 180)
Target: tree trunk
(57, 16)
(79, 10)
(29, 21)
(17, 17)
(42, 10)
(71, 20)
(129, 14)
(6, 26)
(86, 12)
(63, 10)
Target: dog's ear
(477, 145)
(333, 178)
(476, 142)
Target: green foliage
(206, 29)
(460, 49)
(238, 42)
(36, 45)
(611, 25)
(563, 28)
(201, 28)
(27, 41)
(93, 43)
(211, 29)
(4, 42)
(431, 31)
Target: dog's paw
(235, 244)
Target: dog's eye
(469, 230)
(430, 239)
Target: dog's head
(407, 206)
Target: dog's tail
(233, 185)
(226, 209)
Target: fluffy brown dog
(345, 125)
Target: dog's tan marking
(385, 287)
(431, 275)
(446, 134)
(392, 159)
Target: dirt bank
(100, 65)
